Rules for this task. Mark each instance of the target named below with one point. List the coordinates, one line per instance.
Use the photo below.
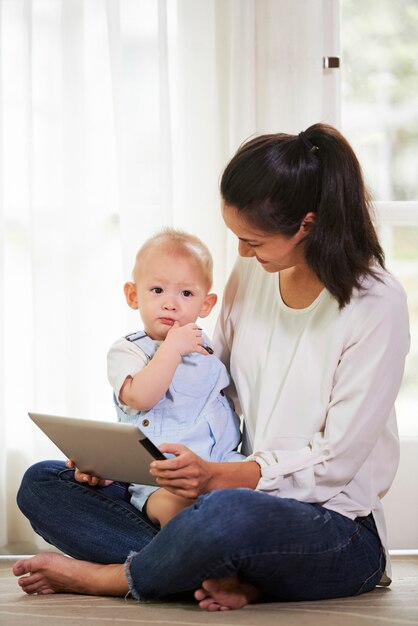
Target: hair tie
(308, 144)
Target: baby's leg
(162, 506)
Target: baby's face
(169, 289)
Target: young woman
(315, 332)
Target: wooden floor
(397, 605)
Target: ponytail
(342, 246)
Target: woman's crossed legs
(231, 547)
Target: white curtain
(116, 117)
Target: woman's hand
(92, 481)
(185, 475)
(189, 476)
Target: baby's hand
(186, 339)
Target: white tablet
(111, 450)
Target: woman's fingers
(181, 488)
(81, 477)
(183, 458)
(185, 475)
(175, 448)
(181, 467)
(169, 468)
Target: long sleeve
(224, 333)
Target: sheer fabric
(116, 118)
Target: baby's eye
(157, 290)
(186, 293)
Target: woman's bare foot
(222, 594)
(49, 572)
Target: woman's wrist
(234, 474)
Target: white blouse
(317, 388)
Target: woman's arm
(358, 439)
(189, 476)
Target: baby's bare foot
(49, 572)
(223, 594)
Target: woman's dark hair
(273, 181)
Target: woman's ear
(130, 295)
(307, 222)
(208, 304)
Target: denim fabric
(289, 550)
(193, 411)
(89, 523)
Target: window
(380, 119)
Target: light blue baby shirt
(194, 411)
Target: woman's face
(274, 252)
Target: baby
(165, 377)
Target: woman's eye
(157, 290)
(249, 244)
(186, 293)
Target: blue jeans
(289, 550)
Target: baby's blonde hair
(182, 244)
